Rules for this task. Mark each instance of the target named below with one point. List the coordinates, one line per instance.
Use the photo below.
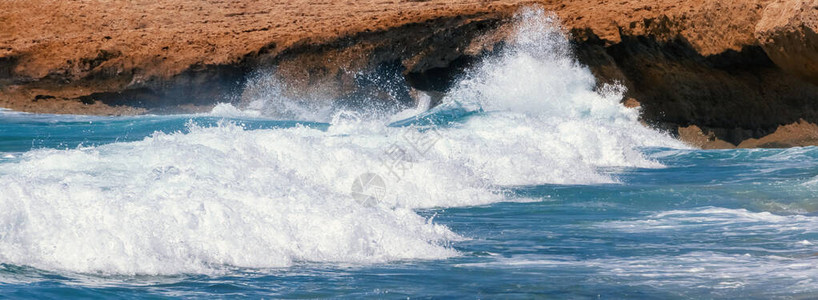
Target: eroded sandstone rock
(736, 69)
(787, 32)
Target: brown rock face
(797, 134)
(162, 56)
(693, 135)
(702, 65)
(735, 69)
(787, 32)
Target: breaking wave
(224, 196)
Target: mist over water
(526, 167)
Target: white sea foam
(811, 183)
(693, 270)
(264, 95)
(196, 201)
(546, 122)
(719, 220)
(713, 270)
(192, 202)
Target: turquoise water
(719, 223)
(530, 180)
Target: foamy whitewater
(527, 169)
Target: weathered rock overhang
(736, 95)
(363, 66)
(740, 89)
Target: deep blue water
(709, 224)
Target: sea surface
(530, 180)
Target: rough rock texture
(797, 134)
(694, 136)
(704, 66)
(734, 69)
(787, 32)
(792, 135)
(160, 55)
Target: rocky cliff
(723, 71)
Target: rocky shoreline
(719, 74)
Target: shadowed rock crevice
(735, 94)
(6, 66)
(383, 89)
(382, 68)
(200, 86)
(441, 79)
